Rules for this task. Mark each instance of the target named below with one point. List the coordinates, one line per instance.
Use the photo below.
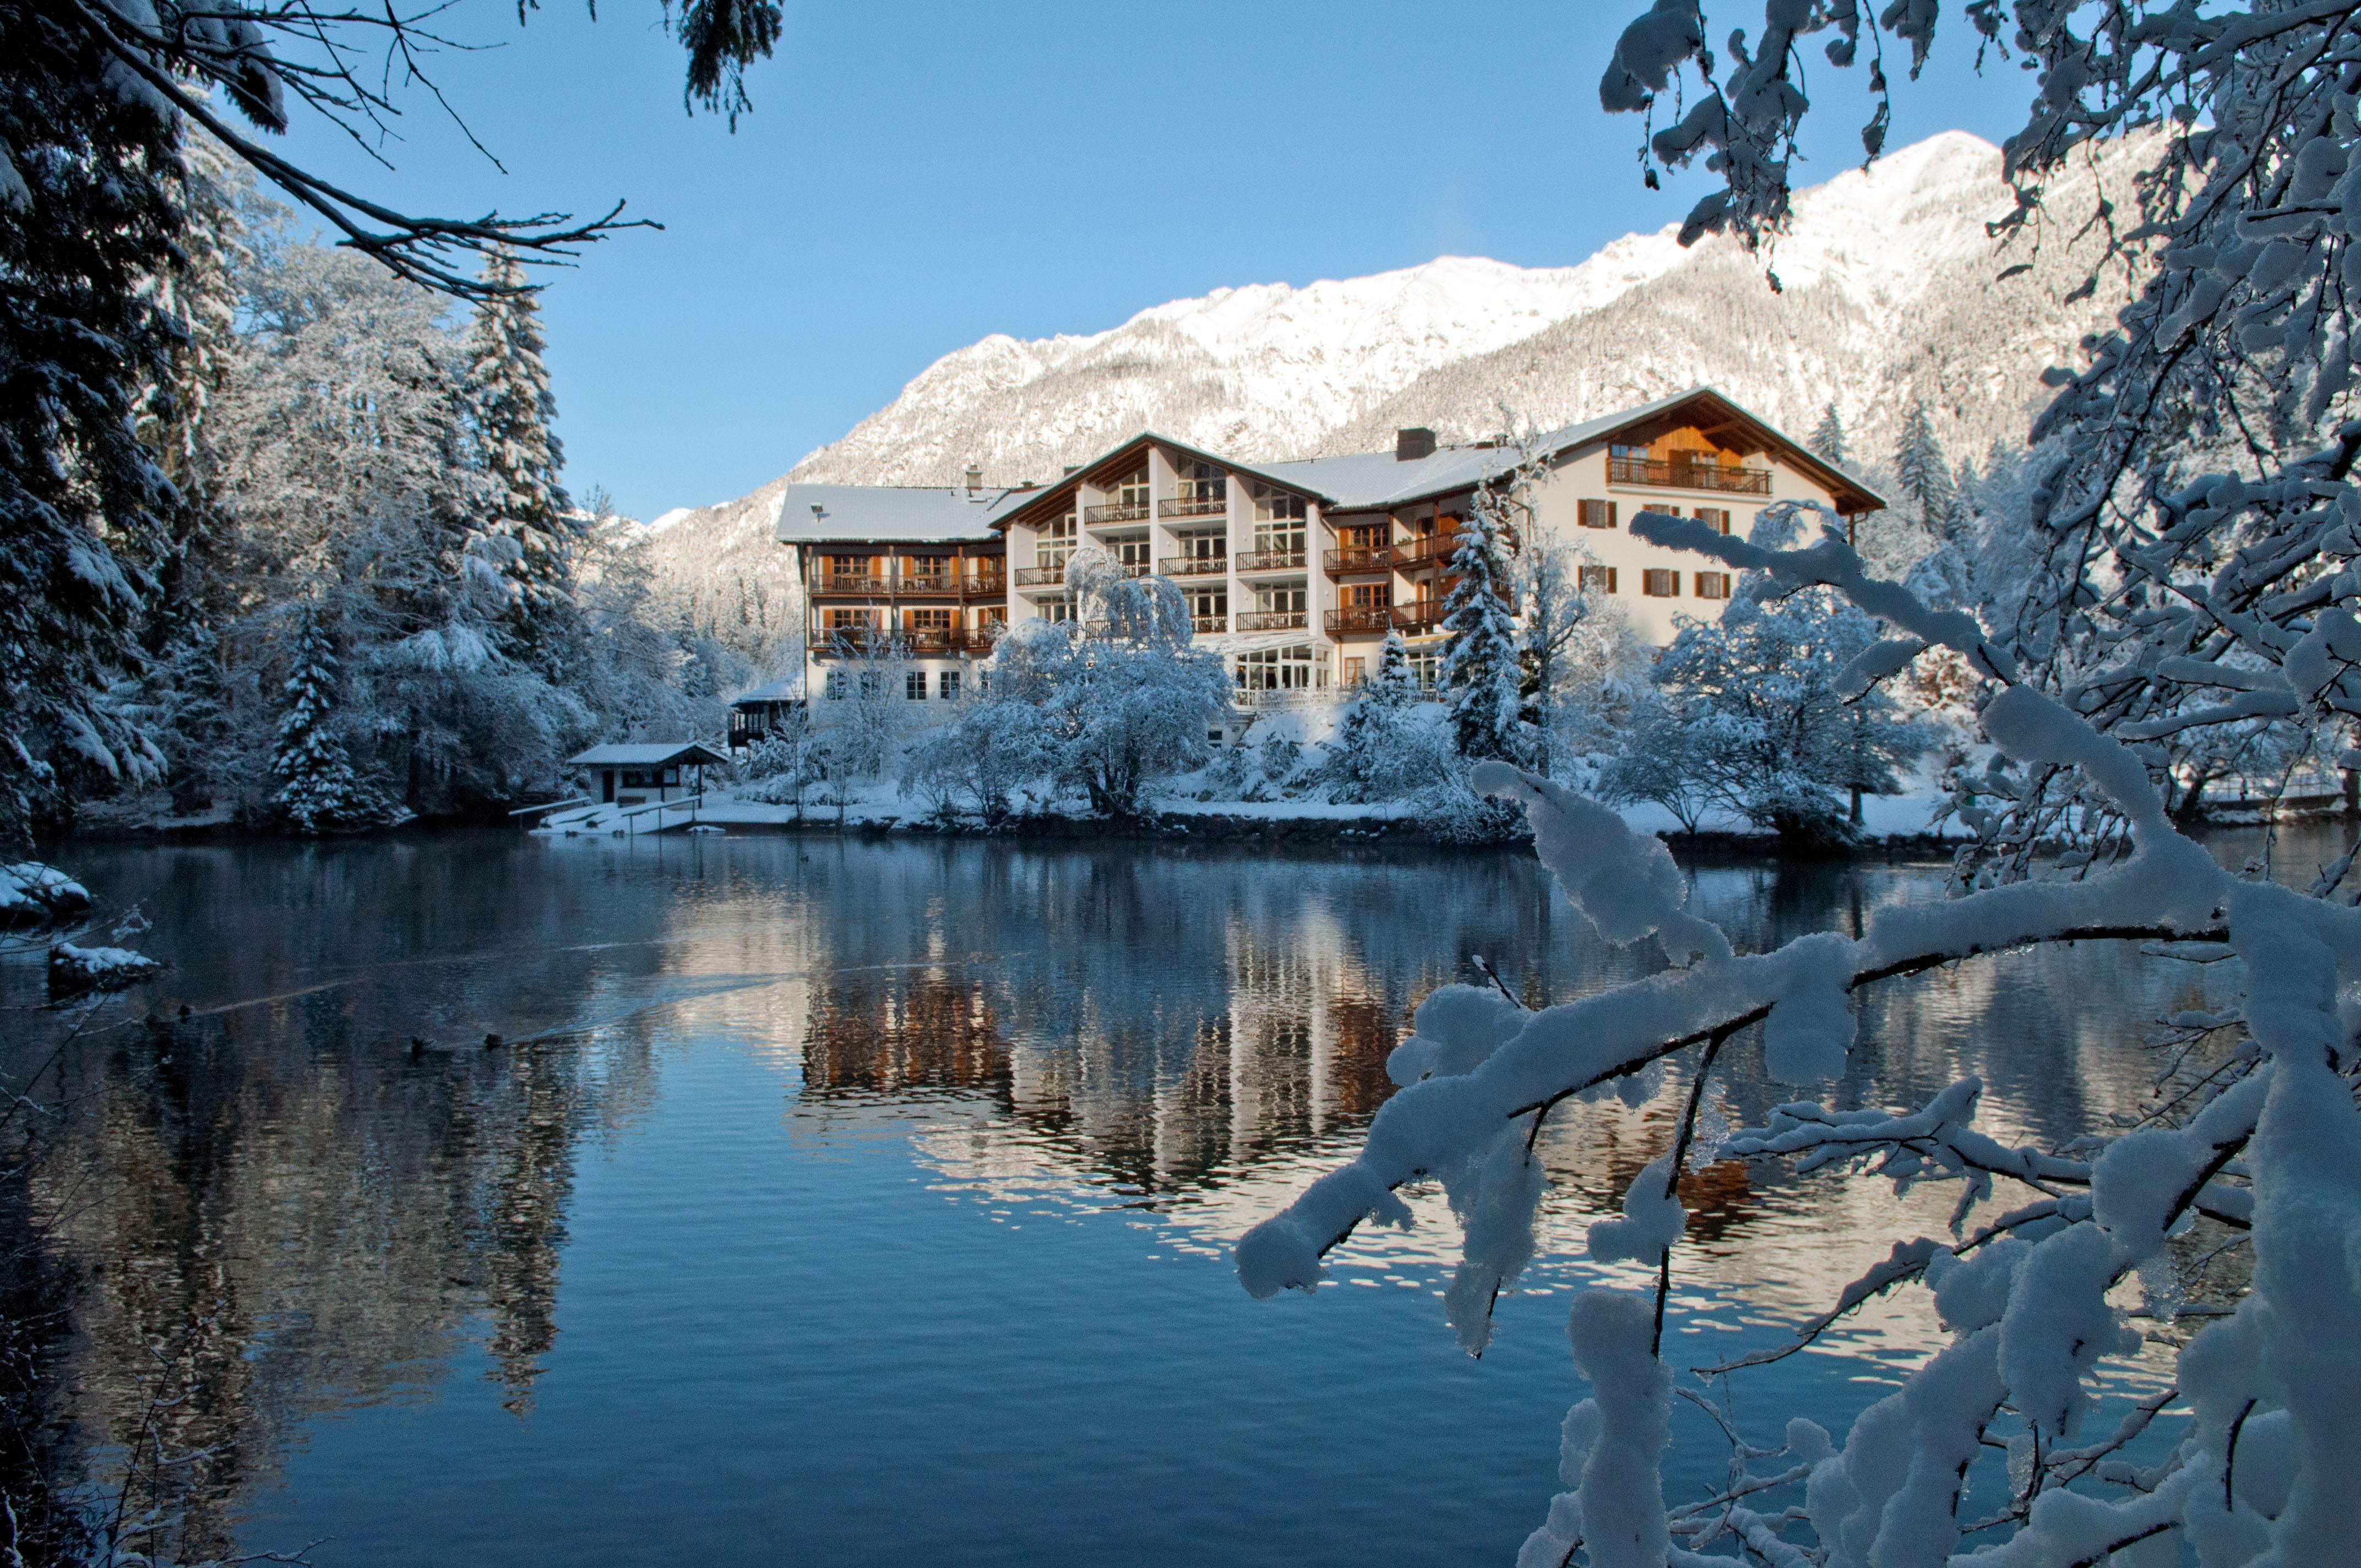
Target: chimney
(1410, 446)
(974, 477)
(1072, 468)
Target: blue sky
(915, 176)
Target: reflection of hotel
(1294, 571)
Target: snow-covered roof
(904, 514)
(661, 754)
(1373, 479)
(787, 689)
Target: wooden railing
(1213, 505)
(1432, 550)
(1678, 475)
(1361, 617)
(912, 584)
(1420, 615)
(851, 583)
(1116, 511)
(1272, 621)
(1359, 558)
(1193, 565)
(1272, 561)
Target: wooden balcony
(1674, 474)
(1270, 561)
(1361, 617)
(1419, 554)
(1116, 511)
(917, 642)
(912, 584)
(1041, 576)
(865, 584)
(1420, 615)
(1204, 623)
(1359, 558)
(1214, 505)
(1194, 566)
(1273, 621)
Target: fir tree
(318, 791)
(1365, 756)
(1479, 661)
(1826, 440)
(87, 220)
(1921, 469)
(509, 395)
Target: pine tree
(1366, 755)
(87, 220)
(1826, 440)
(509, 395)
(318, 791)
(1479, 661)
(1921, 469)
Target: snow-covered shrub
(1773, 736)
(1277, 757)
(33, 894)
(2261, 1144)
(780, 768)
(75, 970)
(1122, 698)
(1662, 762)
(979, 759)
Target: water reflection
(321, 1192)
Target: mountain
(1889, 289)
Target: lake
(854, 1201)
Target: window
(1280, 601)
(1203, 486)
(927, 571)
(1211, 547)
(914, 686)
(1131, 491)
(1713, 584)
(949, 686)
(1661, 585)
(847, 619)
(1209, 609)
(991, 615)
(835, 689)
(848, 565)
(1054, 543)
(938, 621)
(1276, 669)
(1668, 511)
(1368, 596)
(1133, 553)
(1367, 536)
(1597, 580)
(1596, 514)
(872, 683)
(1428, 668)
(1356, 671)
(1719, 516)
(1275, 505)
(1060, 609)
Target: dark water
(841, 1203)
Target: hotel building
(1293, 572)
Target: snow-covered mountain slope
(1889, 291)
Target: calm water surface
(843, 1202)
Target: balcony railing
(1432, 550)
(1041, 576)
(1280, 696)
(1132, 568)
(1359, 558)
(1200, 505)
(1361, 617)
(1194, 566)
(1272, 621)
(1677, 475)
(1420, 615)
(912, 584)
(1272, 561)
(1116, 511)
(835, 641)
(1203, 623)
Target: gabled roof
(1376, 480)
(902, 514)
(1372, 481)
(787, 689)
(662, 754)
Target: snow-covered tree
(1122, 696)
(512, 408)
(318, 790)
(1479, 660)
(1826, 440)
(1372, 756)
(1921, 469)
